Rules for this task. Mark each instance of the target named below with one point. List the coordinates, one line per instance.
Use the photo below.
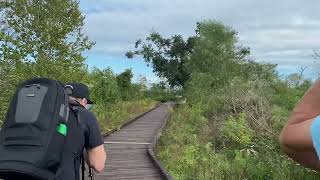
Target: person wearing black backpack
(89, 137)
(45, 131)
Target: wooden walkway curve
(127, 149)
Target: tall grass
(117, 114)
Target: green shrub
(104, 89)
(160, 93)
(236, 132)
(125, 85)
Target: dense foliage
(235, 109)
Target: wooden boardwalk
(127, 156)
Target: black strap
(76, 110)
(83, 167)
(91, 174)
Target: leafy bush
(236, 133)
(104, 88)
(160, 93)
(124, 84)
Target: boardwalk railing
(157, 163)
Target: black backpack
(34, 131)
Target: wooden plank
(132, 172)
(126, 146)
(125, 163)
(145, 177)
(127, 151)
(129, 139)
(128, 166)
(130, 143)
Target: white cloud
(283, 32)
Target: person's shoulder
(88, 115)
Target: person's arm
(295, 138)
(94, 144)
(97, 158)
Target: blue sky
(119, 64)
(280, 32)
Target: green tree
(166, 55)
(124, 84)
(216, 53)
(104, 88)
(40, 38)
(45, 37)
(213, 49)
(216, 60)
(253, 70)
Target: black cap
(79, 90)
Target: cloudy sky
(282, 32)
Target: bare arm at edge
(295, 139)
(97, 158)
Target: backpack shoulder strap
(77, 110)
